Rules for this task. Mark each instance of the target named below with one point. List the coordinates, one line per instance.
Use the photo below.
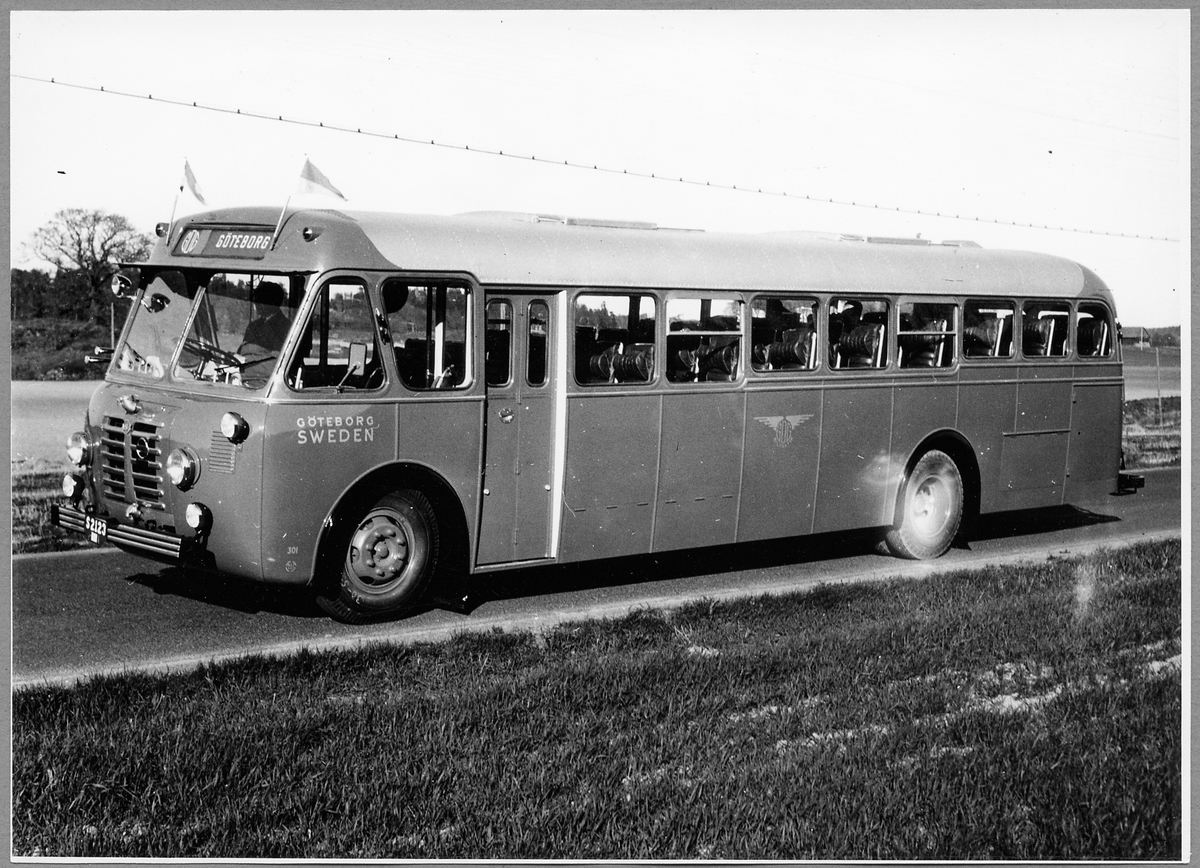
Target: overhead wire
(656, 176)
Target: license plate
(97, 528)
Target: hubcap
(930, 507)
(379, 550)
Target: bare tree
(82, 244)
(79, 239)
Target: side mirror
(358, 358)
(123, 286)
(357, 364)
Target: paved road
(78, 614)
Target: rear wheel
(931, 508)
(386, 559)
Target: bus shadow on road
(1030, 522)
(465, 593)
(230, 593)
(795, 551)
(638, 569)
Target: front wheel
(386, 561)
(931, 508)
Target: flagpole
(279, 225)
(286, 202)
(174, 205)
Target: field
(54, 349)
(1149, 374)
(1028, 713)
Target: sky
(1076, 120)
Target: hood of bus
(134, 429)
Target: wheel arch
(954, 444)
(447, 506)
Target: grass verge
(32, 495)
(1029, 712)
(1151, 436)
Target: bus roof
(507, 249)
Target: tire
(931, 509)
(385, 561)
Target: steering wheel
(211, 353)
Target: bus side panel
(1034, 467)
(311, 454)
(921, 408)
(1044, 399)
(1034, 453)
(986, 409)
(232, 492)
(779, 480)
(611, 475)
(856, 435)
(446, 435)
(700, 470)
(1094, 456)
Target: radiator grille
(131, 461)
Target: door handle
(506, 415)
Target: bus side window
(926, 337)
(1044, 328)
(704, 339)
(430, 334)
(988, 329)
(858, 333)
(1093, 332)
(537, 345)
(783, 334)
(497, 343)
(614, 339)
(340, 326)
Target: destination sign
(229, 243)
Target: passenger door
(520, 368)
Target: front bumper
(127, 536)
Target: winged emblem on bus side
(783, 426)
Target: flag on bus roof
(190, 180)
(313, 180)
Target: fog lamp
(234, 427)
(182, 467)
(197, 517)
(71, 486)
(79, 449)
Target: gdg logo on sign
(190, 241)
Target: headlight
(79, 449)
(234, 427)
(183, 467)
(198, 517)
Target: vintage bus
(359, 402)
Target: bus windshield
(223, 329)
